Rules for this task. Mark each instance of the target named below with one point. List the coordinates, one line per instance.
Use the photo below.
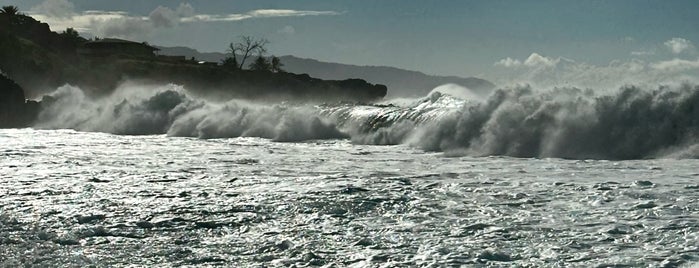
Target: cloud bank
(534, 60)
(61, 14)
(552, 72)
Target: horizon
(549, 42)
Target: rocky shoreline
(35, 61)
(15, 110)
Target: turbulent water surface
(74, 198)
(439, 181)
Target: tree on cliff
(246, 47)
(230, 63)
(73, 36)
(9, 10)
(261, 64)
(276, 65)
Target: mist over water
(624, 123)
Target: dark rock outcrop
(15, 111)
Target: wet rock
(15, 111)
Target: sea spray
(628, 123)
(147, 110)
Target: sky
(559, 41)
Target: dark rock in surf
(15, 111)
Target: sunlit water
(70, 199)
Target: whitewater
(155, 176)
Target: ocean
(152, 176)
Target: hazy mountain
(400, 82)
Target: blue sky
(486, 38)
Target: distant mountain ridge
(400, 82)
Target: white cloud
(535, 60)
(508, 62)
(676, 65)
(643, 53)
(543, 71)
(185, 10)
(60, 14)
(290, 30)
(55, 8)
(678, 45)
(81, 22)
(163, 17)
(122, 27)
(260, 13)
(289, 13)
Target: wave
(140, 110)
(629, 123)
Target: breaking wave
(629, 123)
(137, 110)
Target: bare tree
(248, 46)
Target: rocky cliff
(15, 111)
(40, 60)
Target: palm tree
(9, 10)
